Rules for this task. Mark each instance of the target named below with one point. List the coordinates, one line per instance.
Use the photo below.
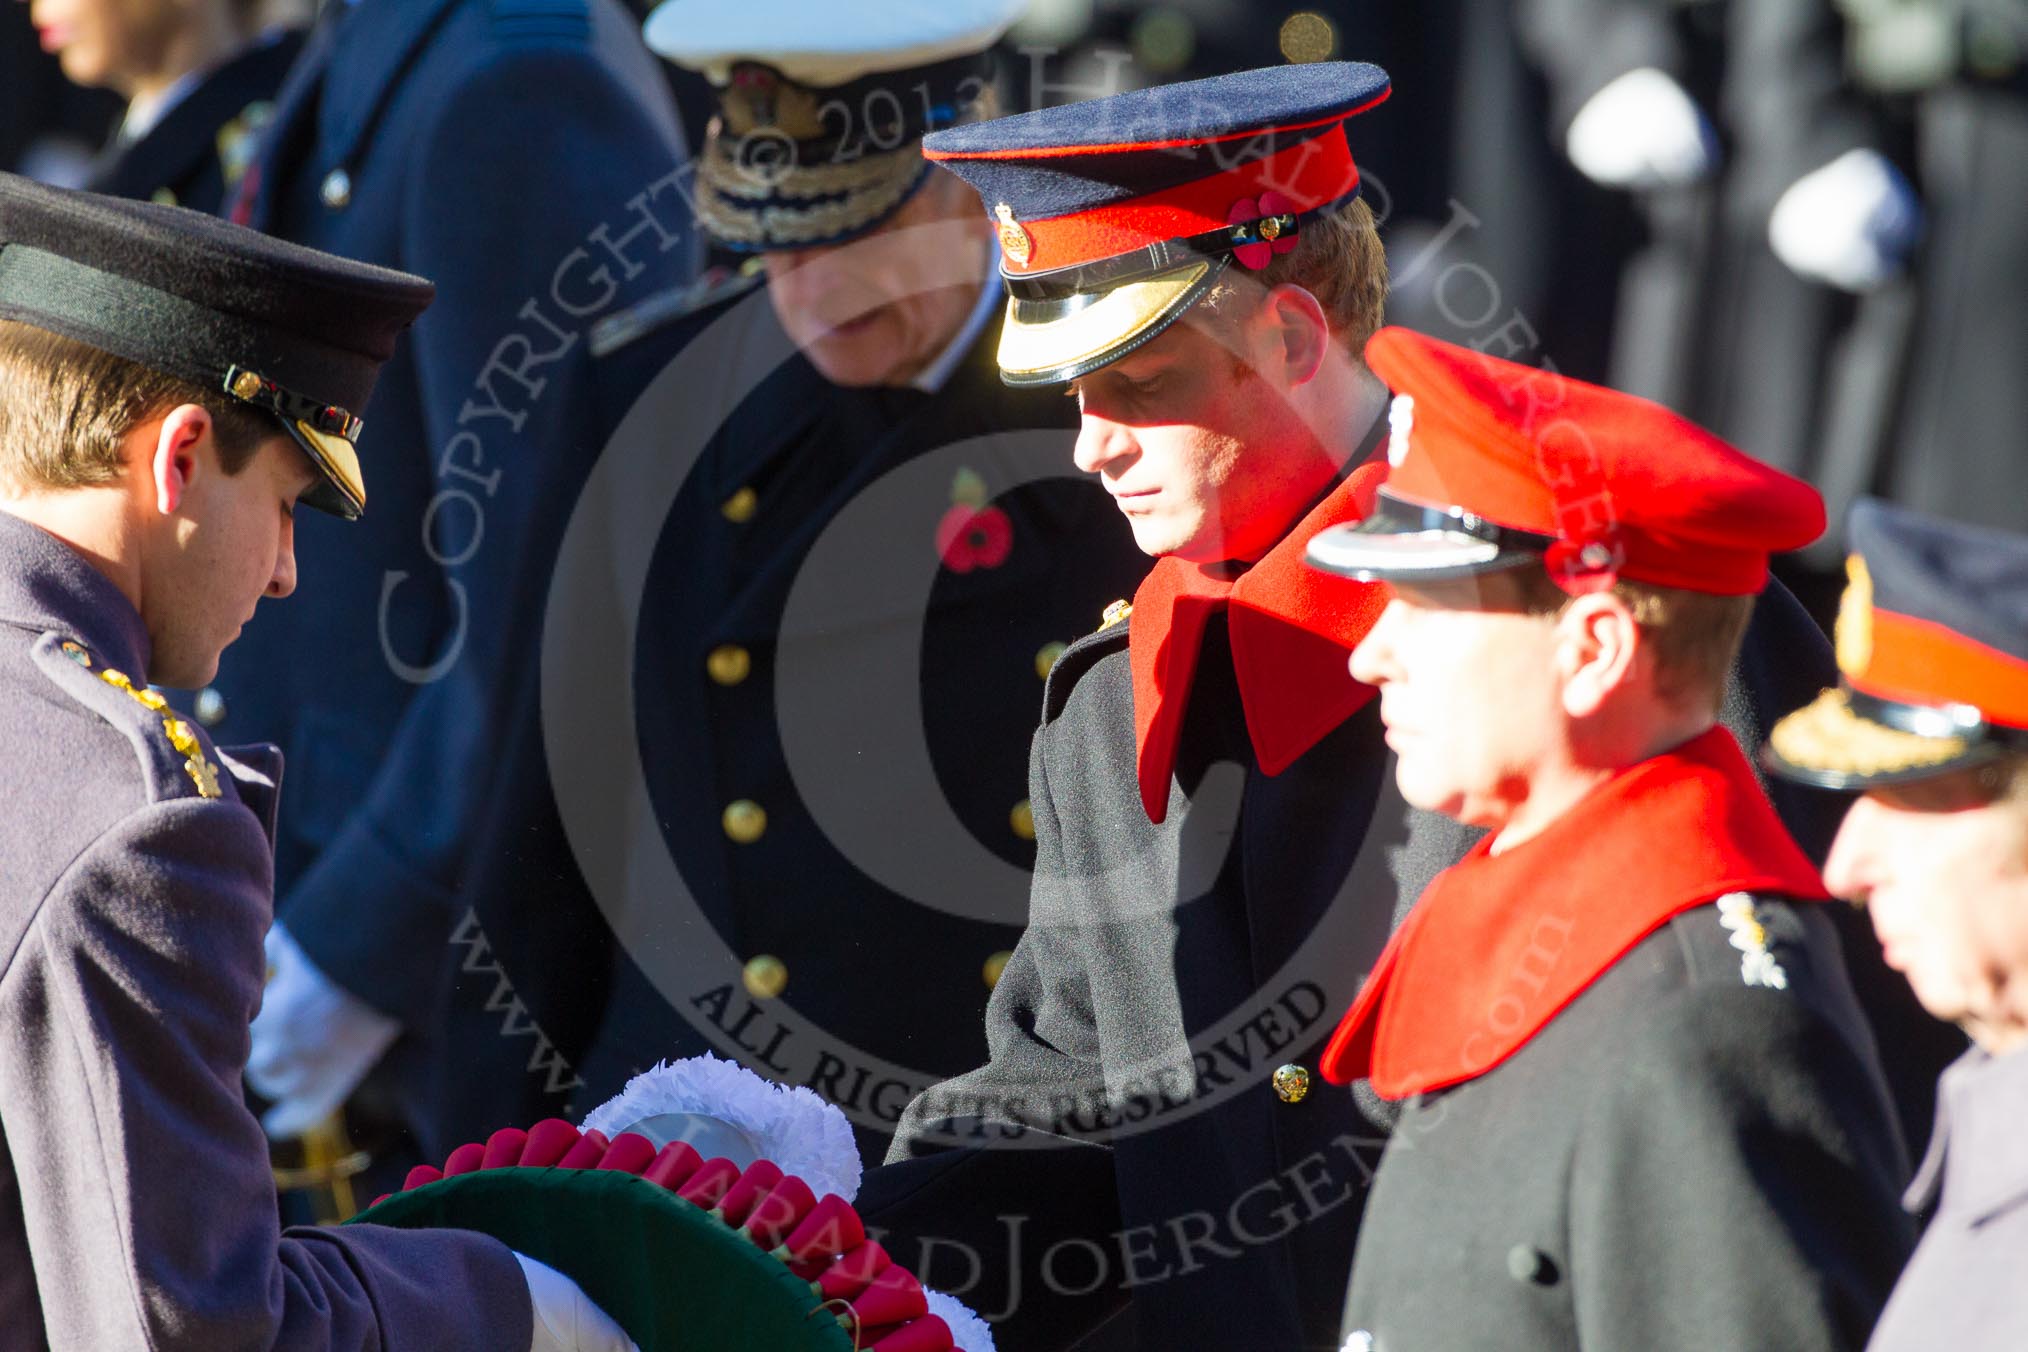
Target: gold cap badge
(1015, 240)
(1855, 619)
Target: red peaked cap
(1535, 451)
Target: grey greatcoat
(1963, 1290)
(1678, 1160)
(136, 1207)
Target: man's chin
(1160, 537)
(183, 673)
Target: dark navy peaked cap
(1118, 214)
(1933, 650)
(288, 330)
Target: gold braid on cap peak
(768, 227)
(1829, 735)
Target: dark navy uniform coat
(1677, 1160)
(196, 155)
(783, 676)
(1167, 971)
(523, 155)
(136, 1204)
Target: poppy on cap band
(1313, 175)
(1847, 741)
(1408, 541)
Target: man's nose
(1849, 871)
(283, 580)
(1373, 660)
(1100, 442)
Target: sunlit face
(1469, 692)
(878, 309)
(110, 43)
(1942, 867)
(1204, 456)
(230, 542)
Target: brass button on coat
(1022, 819)
(739, 507)
(1292, 1084)
(729, 664)
(765, 976)
(1045, 660)
(995, 966)
(745, 821)
(209, 707)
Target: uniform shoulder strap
(175, 759)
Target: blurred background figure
(1929, 724)
(49, 128)
(525, 155)
(198, 79)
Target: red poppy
(974, 537)
(1261, 252)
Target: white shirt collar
(938, 373)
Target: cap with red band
(1497, 465)
(1118, 214)
(1933, 650)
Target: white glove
(1642, 131)
(313, 1041)
(566, 1320)
(1851, 223)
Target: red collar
(1499, 945)
(1292, 630)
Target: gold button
(738, 508)
(729, 664)
(995, 965)
(745, 821)
(1045, 660)
(336, 190)
(1022, 819)
(210, 707)
(1292, 1084)
(765, 976)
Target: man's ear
(1299, 331)
(173, 461)
(1601, 649)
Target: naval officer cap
(290, 331)
(1494, 465)
(1932, 656)
(1117, 215)
(823, 106)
